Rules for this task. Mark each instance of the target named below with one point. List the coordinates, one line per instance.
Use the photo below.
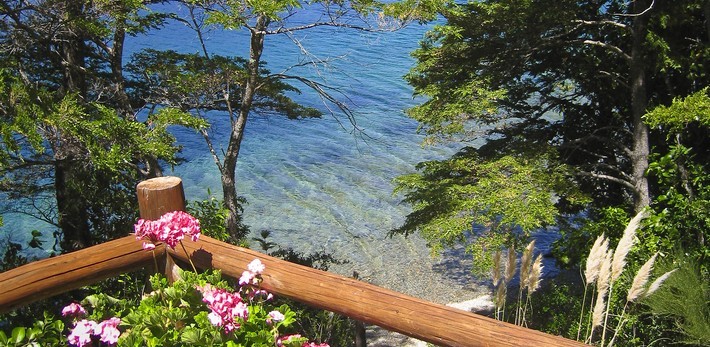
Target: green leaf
(18, 335)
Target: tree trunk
(71, 205)
(639, 102)
(123, 103)
(238, 125)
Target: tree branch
(602, 22)
(282, 30)
(610, 47)
(650, 7)
(608, 178)
(327, 98)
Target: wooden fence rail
(438, 324)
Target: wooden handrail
(438, 324)
(48, 277)
(427, 321)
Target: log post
(160, 195)
(156, 197)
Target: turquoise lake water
(318, 182)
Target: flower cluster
(73, 310)
(251, 275)
(245, 315)
(171, 228)
(107, 331)
(229, 309)
(226, 308)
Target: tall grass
(604, 268)
(685, 297)
(530, 275)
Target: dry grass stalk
(535, 275)
(496, 267)
(595, 259)
(510, 265)
(657, 283)
(638, 286)
(624, 246)
(525, 262)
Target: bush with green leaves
(196, 310)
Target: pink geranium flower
(81, 334)
(171, 228)
(227, 309)
(313, 344)
(108, 330)
(73, 310)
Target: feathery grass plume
(525, 261)
(510, 265)
(598, 312)
(624, 246)
(595, 258)
(591, 272)
(604, 273)
(535, 275)
(496, 267)
(657, 283)
(638, 286)
(604, 286)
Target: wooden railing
(427, 321)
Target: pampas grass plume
(595, 259)
(535, 274)
(496, 267)
(638, 286)
(525, 262)
(624, 246)
(598, 312)
(510, 265)
(657, 283)
(500, 296)
(604, 273)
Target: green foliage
(234, 15)
(44, 332)
(171, 315)
(192, 82)
(579, 232)
(447, 114)
(175, 314)
(681, 216)
(211, 213)
(509, 196)
(557, 301)
(112, 142)
(685, 298)
(694, 108)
